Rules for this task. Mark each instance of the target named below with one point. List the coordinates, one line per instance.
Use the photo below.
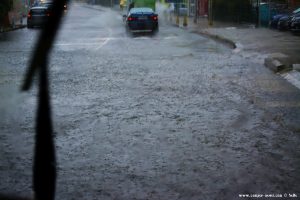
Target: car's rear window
(38, 11)
(141, 10)
(46, 4)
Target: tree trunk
(5, 21)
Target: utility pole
(269, 12)
(196, 11)
(210, 14)
(257, 14)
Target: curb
(274, 64)
(13, 29)
(279, 63)
(214, 37)
(218, 38)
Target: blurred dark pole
(257, 14)
(45, 42)
(196, 11)
(44, 167)
(210, 12)
(269, 16)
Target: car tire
(128, 33)
(155, 30)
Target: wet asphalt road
(169, 116)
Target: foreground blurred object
(44, 167)
(12, 197)
(49, 4)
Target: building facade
(294, 3)
(202, 7)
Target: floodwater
(166, 116)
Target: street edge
(275, 64)
(231, 44)
(13, 29)
(218, 38)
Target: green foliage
(145, 3)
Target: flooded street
(167, 116)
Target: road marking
(106, 40)
(170, 37)
(75, 44)
(100, 42)
(104, 43)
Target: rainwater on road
(167, 116)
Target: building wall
(294, 3)
(103, 2)
(202, 7)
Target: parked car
(295, 24)
(141, 20)
(284, 22)
(38, 16)
(275, 19)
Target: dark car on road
(142, 20)
(275, 19)
(38, 16)
(284, 22)
(295, 24)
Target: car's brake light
(155, 18)
(131, 18)
(29, 15)
(49, 14)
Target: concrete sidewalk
(277, 50)
(248, 38)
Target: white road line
(104, 43)
(170, 37)
(75, 44)
(100, 42)
(106, 40)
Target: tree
(5, 7)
